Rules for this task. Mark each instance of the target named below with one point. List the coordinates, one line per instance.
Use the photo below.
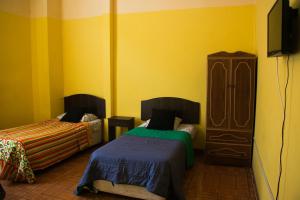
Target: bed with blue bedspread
(152, 159)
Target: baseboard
(261, 172)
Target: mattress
(95, 133)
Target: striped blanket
(37, 146)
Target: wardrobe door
(243, 94)
(218, 93)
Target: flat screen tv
(281, 29)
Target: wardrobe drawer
(229, 137)
(228, 150)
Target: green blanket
(167, 135)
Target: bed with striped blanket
(37, 146)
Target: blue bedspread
(157, 164)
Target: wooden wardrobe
(231, 92)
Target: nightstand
(114, 121)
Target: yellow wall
(83, 53)
(87, 49)
(126, 52)
(31, 61)
(86, 58)
(16, 104)
(123, 51)
(47, 67)
(269, 114)
(164, 53)
(56, 74)
(47, 62)
(40, 68)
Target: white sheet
(95, 132)
(189, 128)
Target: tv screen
(281, 29)
(274, 29)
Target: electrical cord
(278, 83)
(282, 127)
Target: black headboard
(95, 104)
(188, 110)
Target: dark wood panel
(229, 137)
(218, 94)
(188, 110)
(243, 94)
(218, 160)
(120, 121)
(228, 150)
(238, 54)
(233, 154)
(95, 104)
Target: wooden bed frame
(189, 111)
(95, 105)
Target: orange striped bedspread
(37, 146)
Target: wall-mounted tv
(282, 29)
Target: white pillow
(87, 117)
(61, 116)
(189, 128)
(145, 124)
(177, 122)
